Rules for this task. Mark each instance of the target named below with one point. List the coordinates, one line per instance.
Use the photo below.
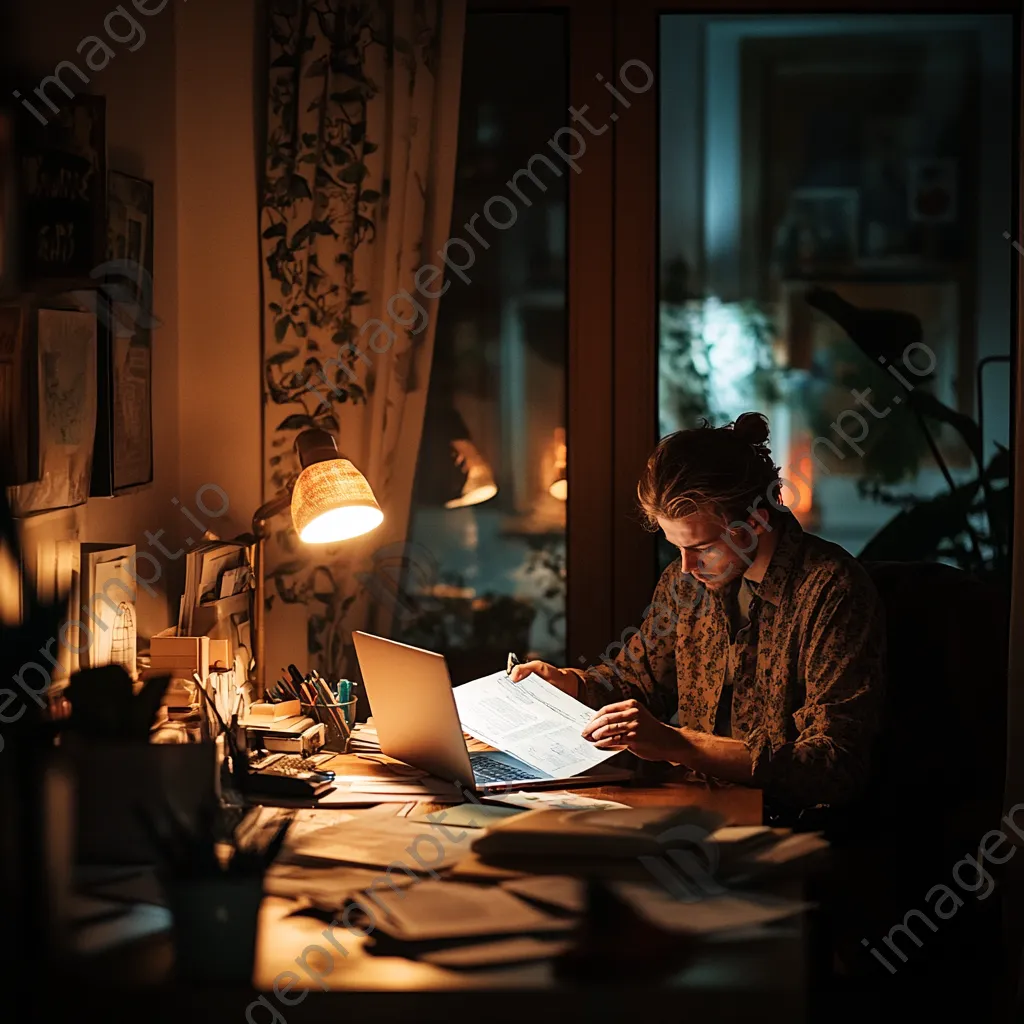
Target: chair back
(942, 747)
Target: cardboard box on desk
(180, 655)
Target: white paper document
(531, 720)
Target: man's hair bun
(752, 428)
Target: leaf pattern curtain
(362, 122)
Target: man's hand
(564, 679)
(628, 725)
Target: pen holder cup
(338, 719)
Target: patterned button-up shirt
(807, 686)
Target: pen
(512, 661)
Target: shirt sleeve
(641, 664)
(843, 671)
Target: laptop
(413, 707)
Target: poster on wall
(62, 175)
(124, 444)
(65, 397)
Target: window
(834, 195)
(488, 528)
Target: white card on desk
(531, 720)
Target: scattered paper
(383, 842)
(447, 910)
(425, 787)
(326, 888)
(531, 720)
(563, 799)
(740, 833)
(800, 844)
(473, 815)
(555, 890)
(521, 949)
(705, 916)
(360, 798)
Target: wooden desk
(722, 980)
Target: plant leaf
(287, 568)
(296, 421)
(282, 357)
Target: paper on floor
(531, 720)
(447, 910)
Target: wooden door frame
(589, 425)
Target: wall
(218, 256)
(141, 102)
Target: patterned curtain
(362, 122)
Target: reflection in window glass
(834, 195)
(487, 537)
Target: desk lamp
(330, 501)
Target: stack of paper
(363, 739)
(446, 910)
(601, 834)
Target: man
(766, 641)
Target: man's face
(704, 540)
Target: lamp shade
(477, 479)
(332, 501)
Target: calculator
(292, 764)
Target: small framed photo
(124, 440)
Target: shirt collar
(784, 561)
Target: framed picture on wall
(125, 427)
(64, 396)
(62, 173)
(17, 463)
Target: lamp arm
(262, 516)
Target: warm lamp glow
(479, 485)
(560, 489)
(332, 502)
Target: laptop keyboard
(486, 769)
